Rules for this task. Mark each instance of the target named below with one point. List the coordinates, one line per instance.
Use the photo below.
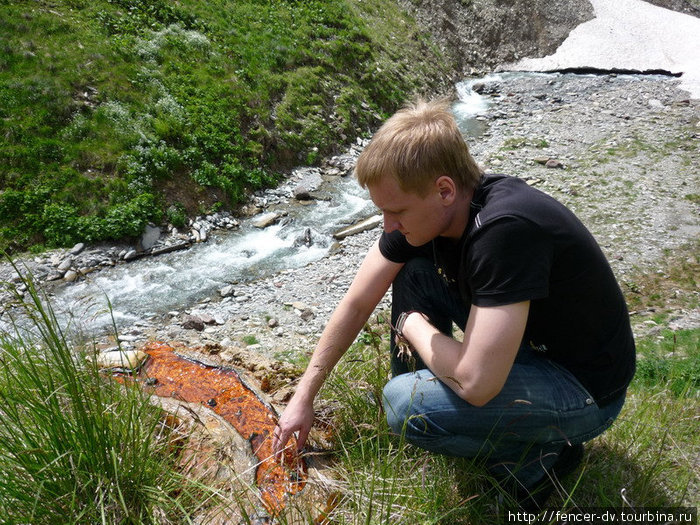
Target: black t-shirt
(521, 244)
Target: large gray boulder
(148, 238)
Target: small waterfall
(471, 106)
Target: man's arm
(477, 368)
(369, 286)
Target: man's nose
(390, 223)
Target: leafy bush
(176, 215)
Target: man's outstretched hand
(297, 417)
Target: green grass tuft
(671, 360)
(76, 446)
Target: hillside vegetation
(114, 113)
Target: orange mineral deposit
(225, 393)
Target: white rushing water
(471, 103)
(470, 108)
(175, 281)
(155, 285)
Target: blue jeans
(541, 409)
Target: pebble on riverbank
(123, 360)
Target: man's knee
(398, 401)
(406, 414)
(394, 404)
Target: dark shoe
(534, 499)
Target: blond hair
(417, 145)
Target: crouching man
(547, 352)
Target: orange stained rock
(225, 393)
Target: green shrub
(128, 219)
(60, 224)
(176, 215)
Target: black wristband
(401, 321)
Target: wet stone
(192, 322)
(127, 359)
(75, 250)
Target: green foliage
(176, 215)
(136, 16)
(673, 360)
(42, 211)
(105, 102)
(250, 339)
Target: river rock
(70, 276)
(554, 163)
(148, 238)
(310, 181)
(130, 255)
(227, 291)
(249, 210)
(298, 305)
(302, 194)
(343, 164)
(40, 272)
(266, 219)
(366, 224)
(304, 239)
(192, 322)
(122, 359)
(65, 264)
(307, 314)
(75, 250)
(207, 319)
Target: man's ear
(447, 189)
